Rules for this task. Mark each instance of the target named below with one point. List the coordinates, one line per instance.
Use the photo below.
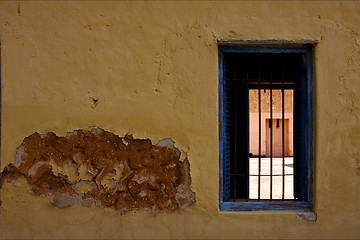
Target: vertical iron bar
(259, 163)
(235, 130)
(283, 133)
(271, 135)
(248, 159)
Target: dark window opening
(262, 163)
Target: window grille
(259, 85)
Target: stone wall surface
(149, 69)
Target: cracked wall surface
(100, 167)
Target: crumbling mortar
(98, 167)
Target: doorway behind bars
(276, 141)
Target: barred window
(266, 119)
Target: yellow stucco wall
(153, 66)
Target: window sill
(265, 205)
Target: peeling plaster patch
(306, 216)
(169, 143)
(19, 153)
(35, 168)
(125, 142)
(65, 200)
(184, 196)
(101, 168)
(83, 173)
(110, 180)
(65, 170)
(84, 187)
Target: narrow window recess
(266, 125)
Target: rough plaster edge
(169, 143)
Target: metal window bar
(236, 135)
(248, 157)
(283, 132)
(271, 136)
(259, 164)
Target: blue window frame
(303, 125)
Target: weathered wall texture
(98, 167)
(150, 70)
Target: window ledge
(261, 206)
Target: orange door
(277, 137)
